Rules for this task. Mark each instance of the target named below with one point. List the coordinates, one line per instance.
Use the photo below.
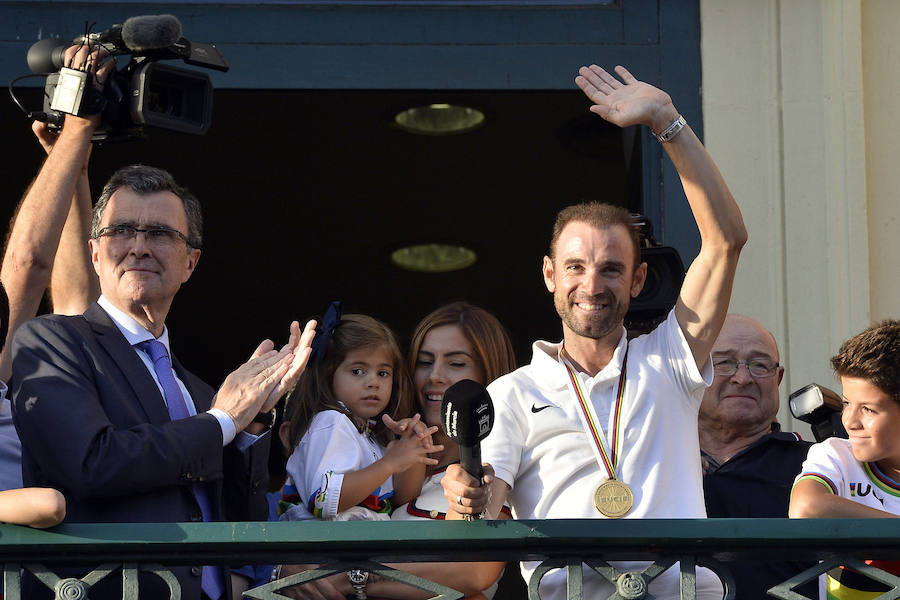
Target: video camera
(143, 93)
(665, 273)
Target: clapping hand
(258, 384)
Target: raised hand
(94, 60)
(299, 346)
(48, 138)
(247, 388)
(258, 384)
(626, 102)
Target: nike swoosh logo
(537, 409)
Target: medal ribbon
(608, 461)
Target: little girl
(346, 464)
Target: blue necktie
(211, 581)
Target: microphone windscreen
(151, 32)
(467, 412)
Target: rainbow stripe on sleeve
(827, 482)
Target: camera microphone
(467, 415)
(112, 36)
(138, 35)
(151, 32)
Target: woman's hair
(314, 392)
(493, 349)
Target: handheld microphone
(467, 415)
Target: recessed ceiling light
(433, 258)
(439, 119)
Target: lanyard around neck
(608, 461)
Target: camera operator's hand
(94, 60)
(43, 134)
(48, 138)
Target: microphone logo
(484, 420)
(450, 417)
(467, 414)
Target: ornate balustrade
(122, 549)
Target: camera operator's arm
(41, 215)
(73, 282)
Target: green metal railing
(122, 549)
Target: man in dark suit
(109, 417)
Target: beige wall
(810, 158)
(881, 77)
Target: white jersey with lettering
(832, 464)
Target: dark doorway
(306, 193)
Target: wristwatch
(358, 579)
(672, 130)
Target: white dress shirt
(135, 333)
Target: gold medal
(613, 498)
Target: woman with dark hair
(457, 341)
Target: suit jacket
(94, 425)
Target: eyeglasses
(726, 367)
(157, 235)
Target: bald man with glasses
(749, 464)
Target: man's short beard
(596, 328)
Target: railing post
(130, 583)
(688, 578)
(574, 579)
(12, 581)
